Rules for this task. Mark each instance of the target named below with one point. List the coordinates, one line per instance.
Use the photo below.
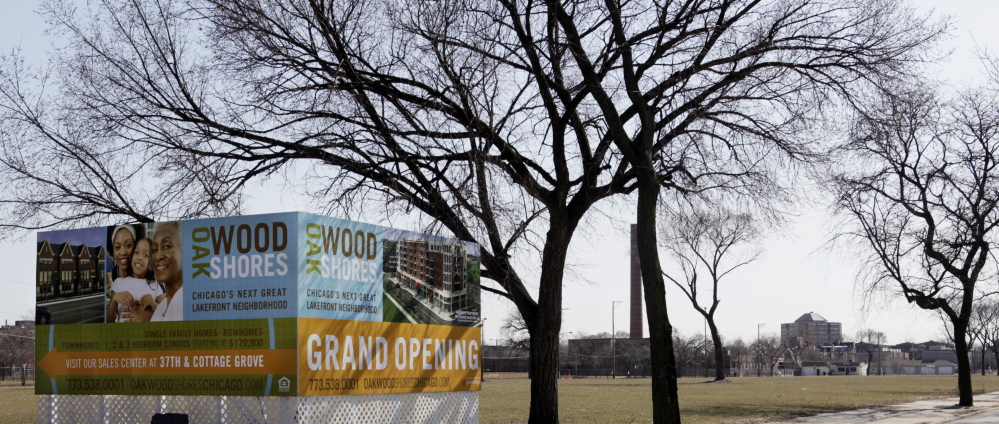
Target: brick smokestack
(636, 286)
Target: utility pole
(759, 365)
(613, 341)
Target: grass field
(18, 404)
(742, 400)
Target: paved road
(939, 411)
(77, 310)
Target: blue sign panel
(340, 269)
(240, 267)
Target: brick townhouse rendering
(68, 270)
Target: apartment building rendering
(434, 269)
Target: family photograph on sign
(145, 277)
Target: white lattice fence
(443, 407)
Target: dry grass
(18, 404)
(741, 400)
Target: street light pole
(613, 341)
(759, 364)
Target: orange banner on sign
(360, 357)
(170, 362)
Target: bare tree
(736, 349)
(459, 112)
(983, 323)
(769, 348)
(686, 349)
(871, 341)
(922, 191)
(515, 332)
(17, 347)
(710, 244)
(989, 319)
(698, 95)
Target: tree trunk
(545, 325)
(719, 353)
(665, 405)
(964, 389)
(544, 376)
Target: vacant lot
(746, 399)
(742, 400)
(18, 404)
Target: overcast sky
(796, 275)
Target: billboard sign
(265, 305)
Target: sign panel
(236, 306)
(340, 269)
(250, 357)
(356, 357)
(241, 267)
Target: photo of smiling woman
(120, 244)
(166, 260)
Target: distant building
(818, 368)
(814, 368)
(839, 352)
(812, 329)
(939, 352)
(8, 328)
(913, 350)
(879, 351)
(928, 367)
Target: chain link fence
(440, 407)
(17, 376)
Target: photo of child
(127, 291)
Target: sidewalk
(986, 410)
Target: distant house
(814, 368)
(849, 368)
(928, 367)
(819, 368)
